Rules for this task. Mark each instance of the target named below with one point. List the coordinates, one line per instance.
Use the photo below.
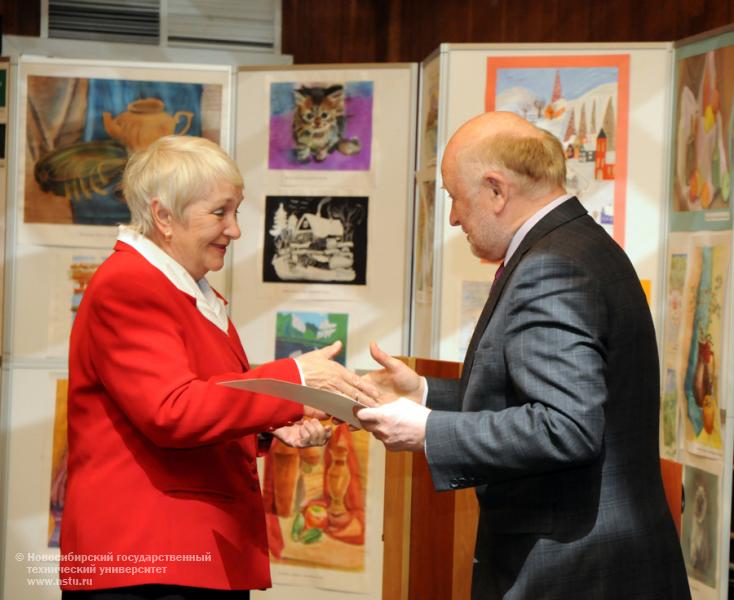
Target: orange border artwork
(618, 61)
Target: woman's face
(200, 242)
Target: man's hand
(305, 433)
(400, 425)
(395, 379)
(319, 371)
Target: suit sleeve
(143, 364)
(443, 394)
(555, 356)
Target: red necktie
(498, 274)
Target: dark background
(339, 31)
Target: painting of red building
(602, 169)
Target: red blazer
(162, 478)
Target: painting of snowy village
(315, 239)
(582, 100)
(299, 332)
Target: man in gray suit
(555, 419)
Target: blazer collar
(568, 211)
(230, 334)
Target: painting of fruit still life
(321, 125)
(706, 297)
(315, 502)
(80, 133)
(704, 140)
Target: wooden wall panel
(408, 30)
(21, 17)
(347, 31)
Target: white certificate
(331, 403)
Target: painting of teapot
(145, 121)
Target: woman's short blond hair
(177, 170)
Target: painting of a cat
(318, 123)
(321, 125)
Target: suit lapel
(567, 211)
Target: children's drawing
(315, 239)
(299, 332)
(58, 465)
(700, 524)
(424, 240)
(704, 123)
(315, 502)
(671, 352)
(80, 133)
(322, 126)
(703, 342)
(582, 100)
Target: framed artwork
(315, 239)
(298, 332)
(49, 284)
(324, 125)
(703, 130)
(672, 371)
(79, 123)
(425, 232)
(702, 341)
(429, 112)
(583, 101)
(58, 465)
(323, 508)
(35, 475)
(700, 526)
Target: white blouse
(208, 303)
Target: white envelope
(331, 403)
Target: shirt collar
(530, 223)
(207, 302)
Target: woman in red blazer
(163, 497)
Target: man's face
(473, 208)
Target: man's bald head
(505, 141)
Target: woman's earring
(167, 235)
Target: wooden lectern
(428, 536)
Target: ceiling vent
(234, 23)
(134, 21)
(240, 24)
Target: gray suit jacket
(555, 422)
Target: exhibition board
(325, 234)
(70, 115)
(696, 426)
(575, 91)
(71, 126)
(324, 256)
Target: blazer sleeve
(142, 361)
(555, 355)
(443, 394)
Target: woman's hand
(320, 371)
(307, 432)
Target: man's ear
(162, 216)
(499, 188)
